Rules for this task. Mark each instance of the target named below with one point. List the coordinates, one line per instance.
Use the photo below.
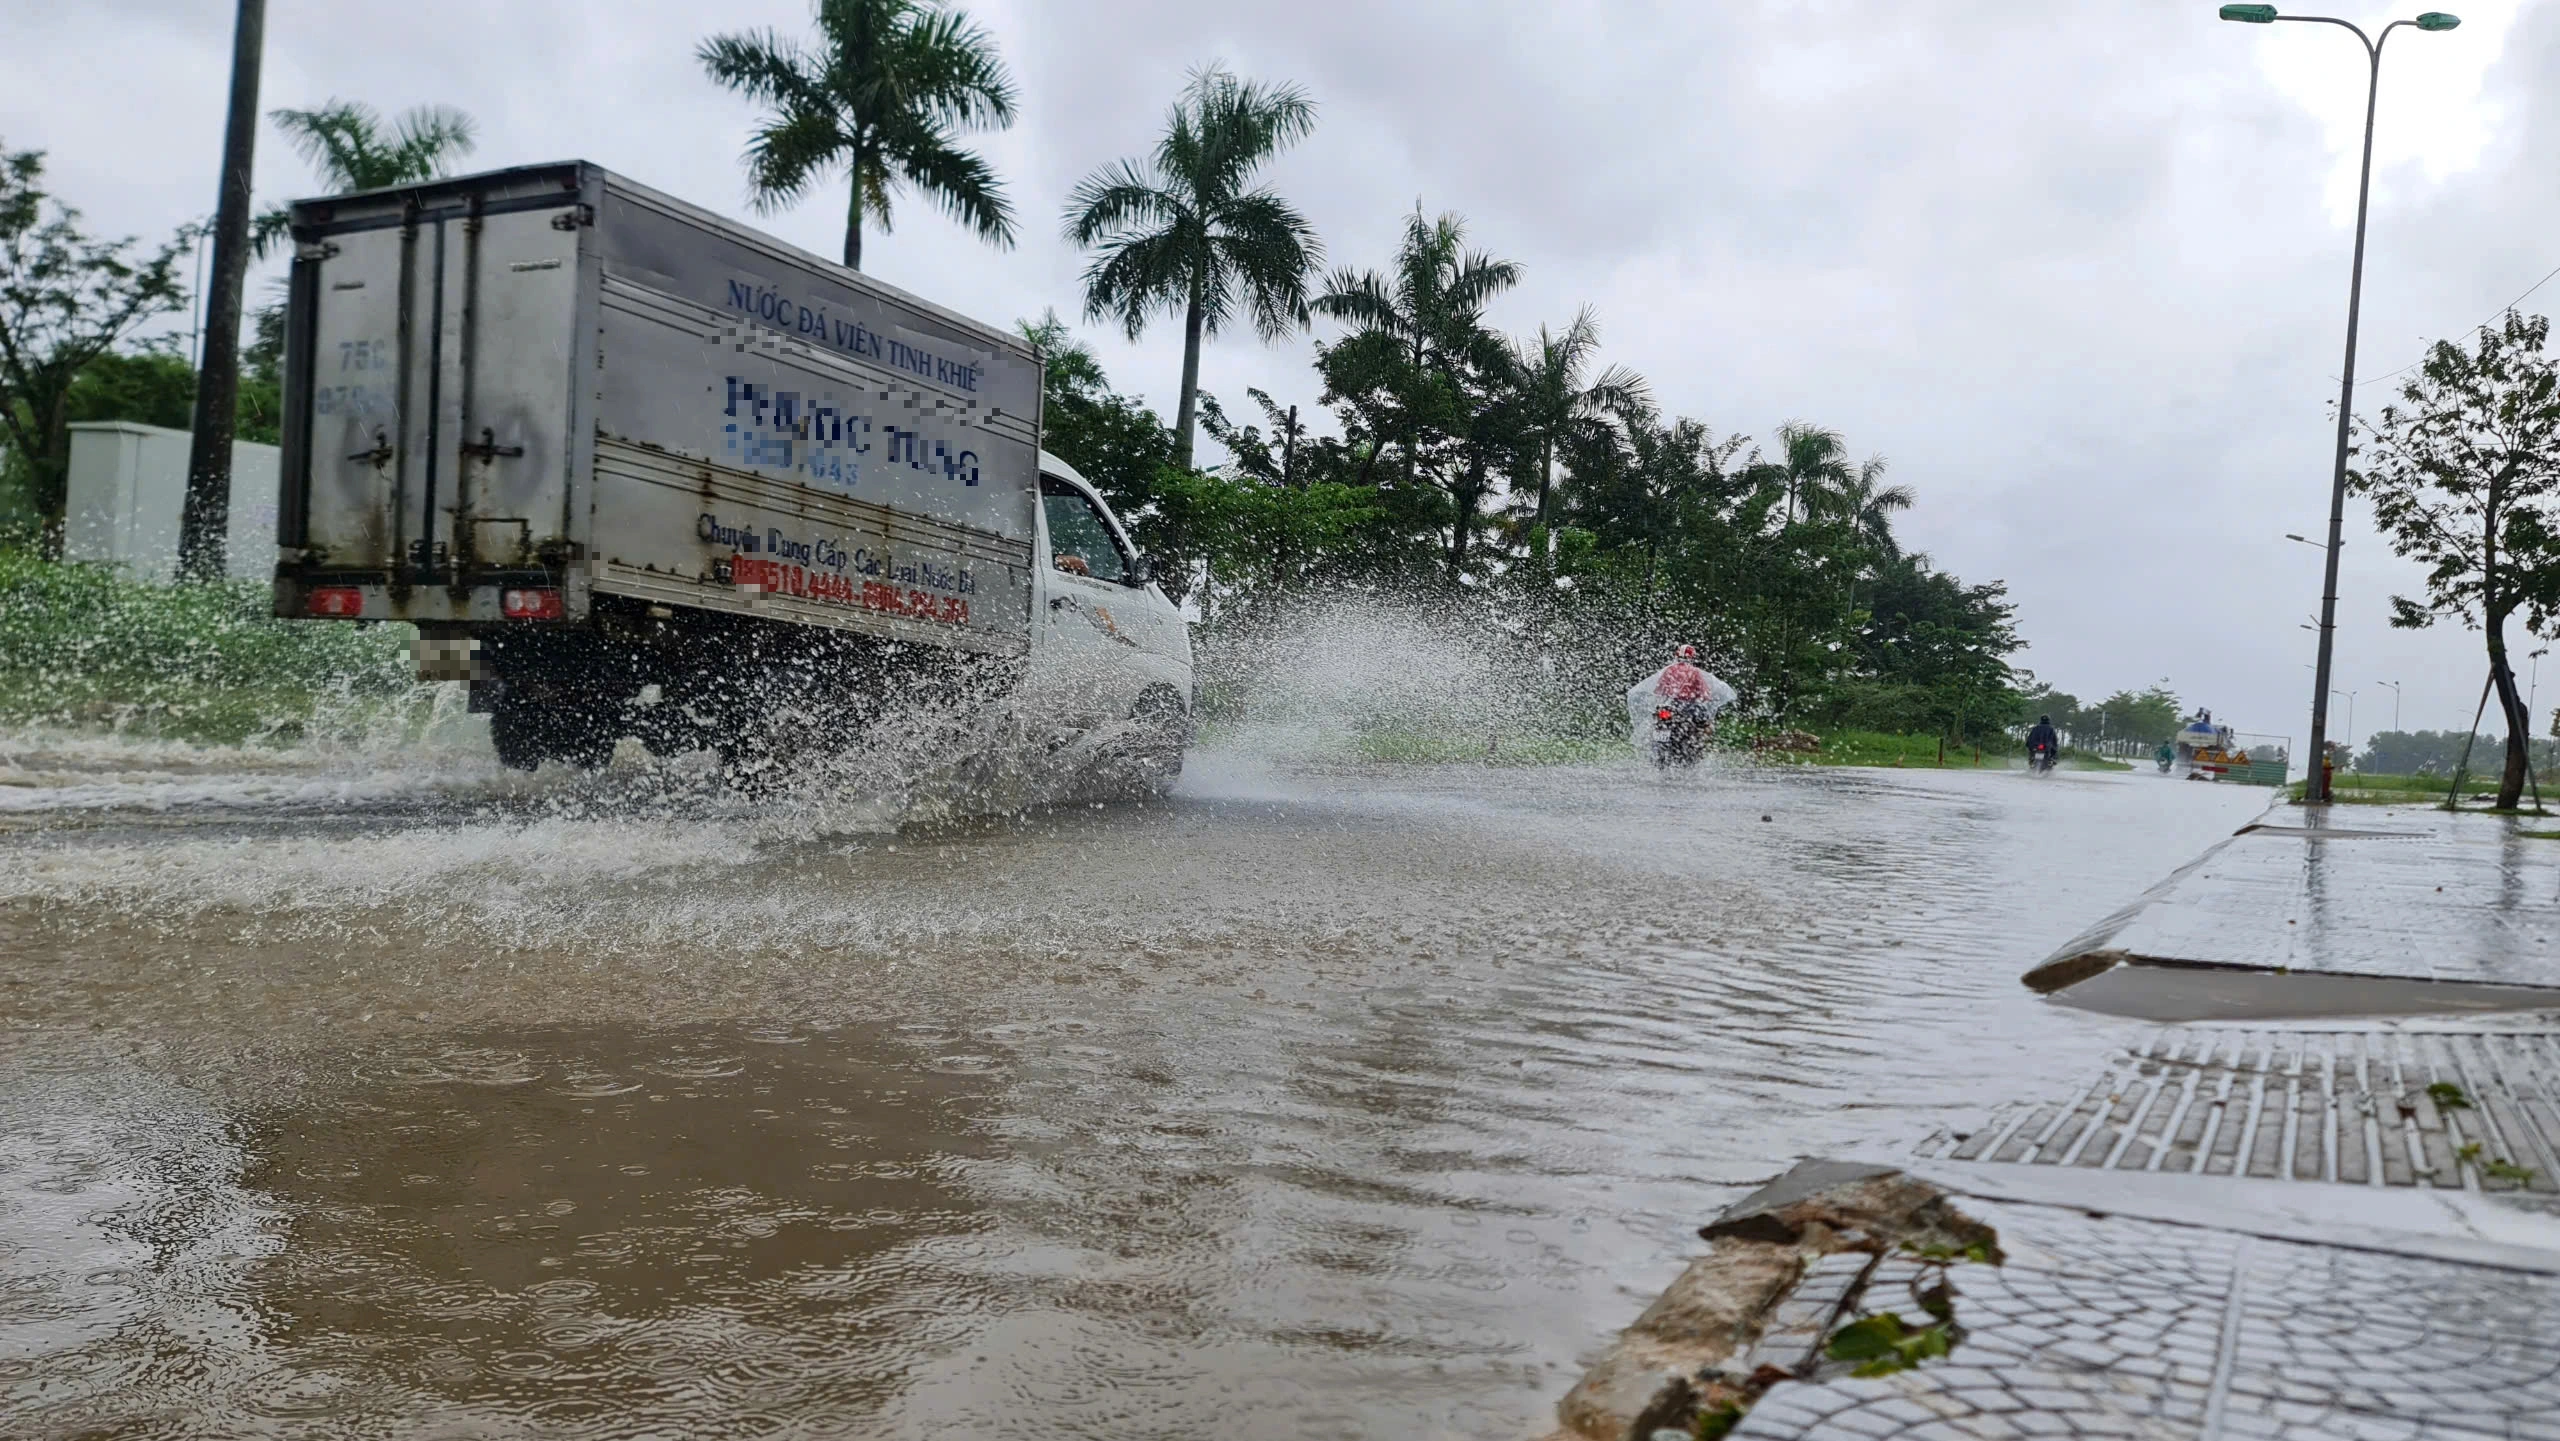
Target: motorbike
(1679, 733)
(2040, 761)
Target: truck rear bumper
(370, 597)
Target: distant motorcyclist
(2044, 746)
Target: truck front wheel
(1163, 731)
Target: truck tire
(526, 735)
(1163, 732)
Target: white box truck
(634, 469)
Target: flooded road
(399, 1096)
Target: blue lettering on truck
(784, 430)
(814, 323)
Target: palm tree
(1429, 311)
(1560, 402)
(884, 95)
(1068, 365)
(1868, 507)
(347, 142)
(1813, 465)
(1186, 232)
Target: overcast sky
(2078, 270)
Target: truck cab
(1108, 646)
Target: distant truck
(636, 470)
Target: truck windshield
(1080, 542)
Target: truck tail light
(337, 600)
(529, 604)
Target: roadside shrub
(87, 646)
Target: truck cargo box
(511, 395)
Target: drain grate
(2452, 1109)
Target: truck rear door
(433, 367)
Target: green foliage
(1945, 1253)
(1426, 490)
(2463, 474)
(152, 384)
(884, 95)
(82, 645)
(1884, 1343)
(2358, 788)
(2501, 1169)
(2150, 715)
(1188, 233)
(1422, 373)
(1562, 403)
(2435, 754)
(352, 148)
(66, 299)
(1717, 1424)
(2448, 1096)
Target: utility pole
(207, 522)
(2316, 787)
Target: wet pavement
(2397, 910)
(390, 1094)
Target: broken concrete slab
(2122, 1327)
(1754, 1311)
(2145, 1305)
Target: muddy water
(359, 1096)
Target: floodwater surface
(347, 1098)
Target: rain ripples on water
(1319, 1100)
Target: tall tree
(883, 96)
(352, 149)
(1561, 399)
(66, 298)
(1649, 485)
(1860, 500)
(1812, 465)
(2463, 473)
(1187, 232)
(1415, 330)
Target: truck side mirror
(1141, 570)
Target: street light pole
(2316, 788)
(2395, 703)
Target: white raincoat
(1641, 704)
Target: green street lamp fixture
(2317, 789)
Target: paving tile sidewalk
(2325, 1206)
(2112, 1322)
